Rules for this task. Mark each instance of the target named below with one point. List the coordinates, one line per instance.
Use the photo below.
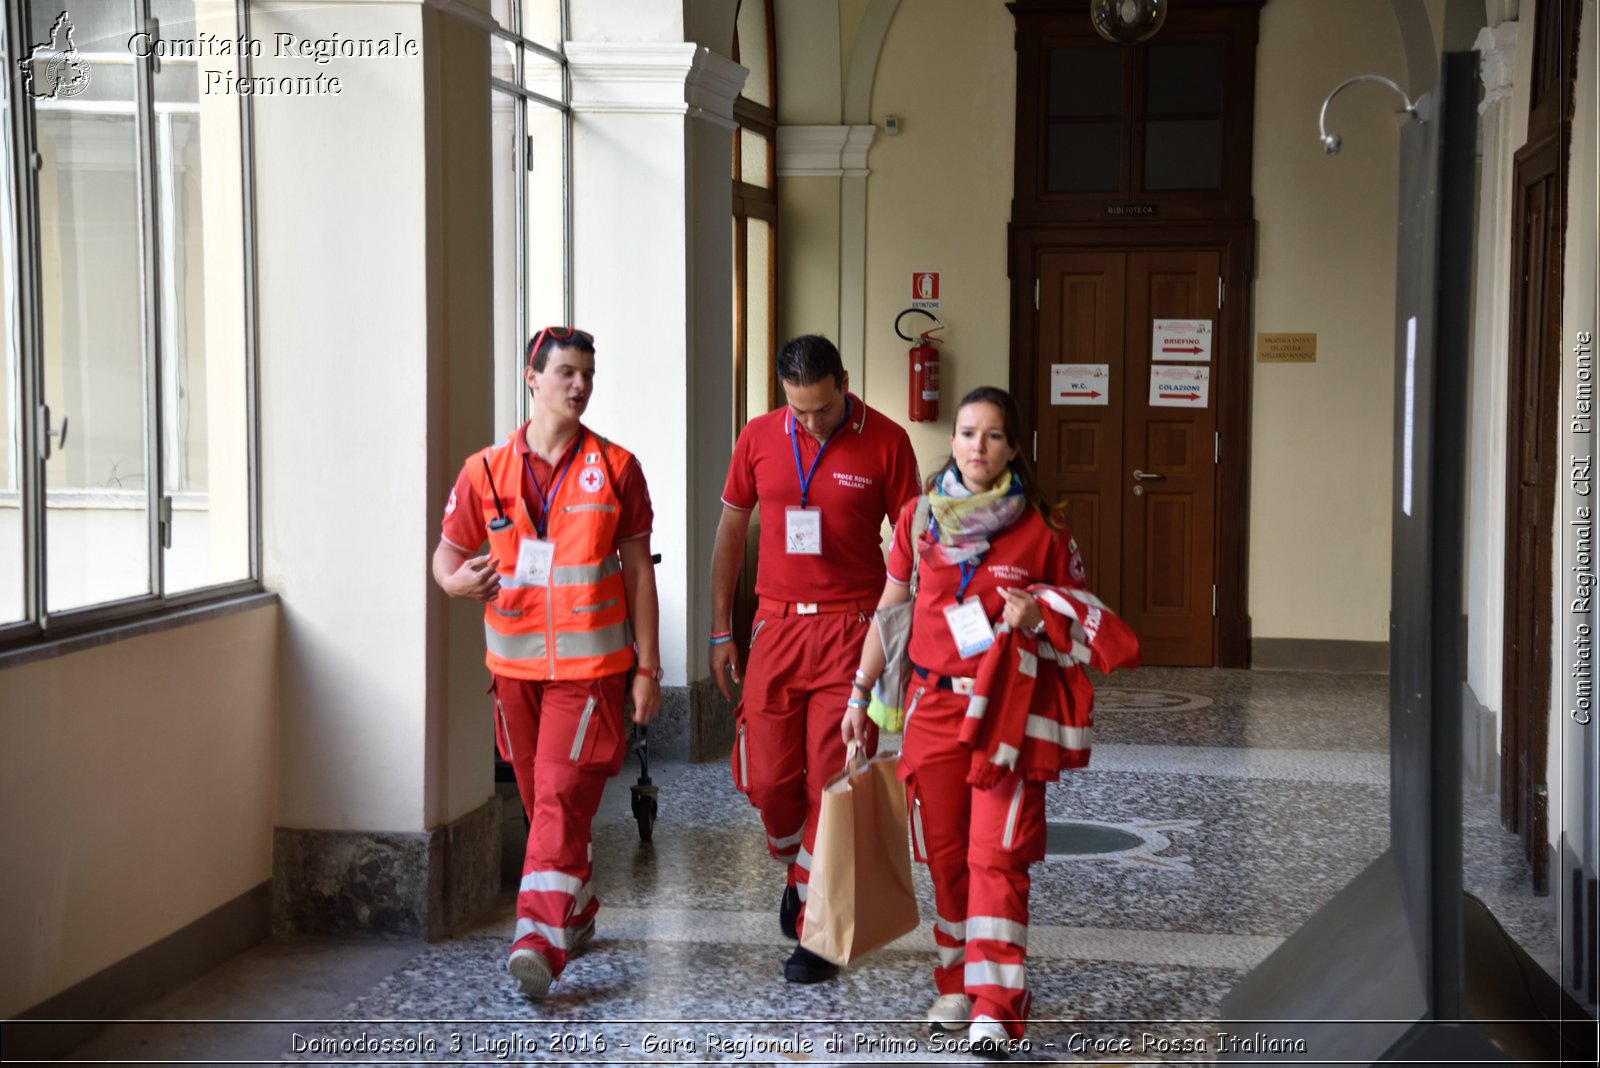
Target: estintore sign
(1181, 339)
(1180, 387)
(924, 289)
(1080, 383)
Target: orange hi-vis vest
(576, 627)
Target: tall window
(755, 214)
(127, 478)
(530, 99)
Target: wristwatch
(654, 673)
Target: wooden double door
(1135, 466)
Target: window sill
(49, 648)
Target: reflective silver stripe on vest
(601, 607)
(576, 645)
(589, 508)
(515, 613)
(569, 575)
(514, 646)
(585, 574)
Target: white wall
(348, 519)
(138, 785)
(939, 198)
(1322, 435)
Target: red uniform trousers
(978, 845)
(787, 741)
(565, 739)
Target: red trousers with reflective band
(565, 739)
(787, 741)
(978, 845)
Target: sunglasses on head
(558, 334)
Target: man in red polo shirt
(570, 608)
(826, 471)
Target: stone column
(1485, 604)
(652, 215)
(374, 296)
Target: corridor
(1225, 807)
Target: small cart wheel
(644, 810)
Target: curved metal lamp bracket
(1331, 142)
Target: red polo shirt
(867, 473)
(1026, 552)
(463, 512)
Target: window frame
(522, 166)
(31, 443)
(752, 201)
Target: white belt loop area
(962, 685)
(806, 608)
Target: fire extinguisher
(924, 399)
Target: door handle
(45, 433)
(1143, 476)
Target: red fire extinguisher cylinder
(924, 401)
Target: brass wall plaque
(1286, 348)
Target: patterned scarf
(963, 521)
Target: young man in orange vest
(826, 471)
(569, 593)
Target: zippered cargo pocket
(919, 844)
(739, 759)
(583, 734)
(1010, 835)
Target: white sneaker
(989, 1039)
(531, 971)
(951, 1012)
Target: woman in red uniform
(991, 534)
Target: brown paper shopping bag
(860, 895)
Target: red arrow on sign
(1196, 350)
(1180, 396)
(1091, 393)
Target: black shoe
(789, 912)
(804, 966)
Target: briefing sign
(1181, 339)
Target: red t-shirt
(463, 512)
(868, 472)
(1026, 552)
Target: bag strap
(919, 522)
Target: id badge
(534, 560)
(803, 531)
(969, 627)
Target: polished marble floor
(1253, 797)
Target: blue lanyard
(794, 439)
(542, 524)
(968, 569)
